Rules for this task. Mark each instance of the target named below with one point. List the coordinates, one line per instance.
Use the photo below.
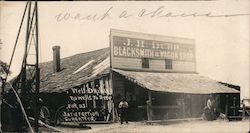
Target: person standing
(123, 107)
(210, 109)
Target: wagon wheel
(59, 118)
(44, 115)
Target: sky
(220, 30)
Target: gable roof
(76, 70)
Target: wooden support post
(101, 86)
(226, 111)
(149, 106)
(226, 107)
(108, 92)
(111, 86)
(183, 108)
(234, 106)
(92, 83)
(244, 111)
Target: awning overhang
(176, 82)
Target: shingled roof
(176, 82)
(81, 68)
(75, 70)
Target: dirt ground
(198, 126)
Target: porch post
(111, 86)
(149, 106)
(183, 108)
(226, 107)
(244, 111)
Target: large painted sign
(87, 104)
(144, 48)
(128, 49)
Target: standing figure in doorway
(210, 110)
(123, 107)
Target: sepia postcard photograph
(125, 66)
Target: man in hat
(123, 106)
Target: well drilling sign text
(85, 104)
(142, 48)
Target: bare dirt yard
(198, 126)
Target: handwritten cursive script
(159, 12)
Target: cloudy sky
(220, 30)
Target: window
(168, 64)
(145, 63)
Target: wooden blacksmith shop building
(156, 74)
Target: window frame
(145, 62)
(168, 64)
